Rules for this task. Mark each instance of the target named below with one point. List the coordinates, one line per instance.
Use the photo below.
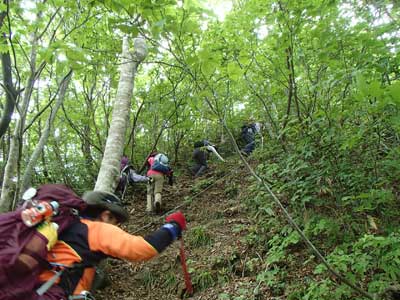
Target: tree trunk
(26, 181)
(10, 187)
(11, 93)
(109, 169)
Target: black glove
(170, 180)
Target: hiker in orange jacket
(95, 237)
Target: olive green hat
(107, 201)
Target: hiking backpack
(23, 250)
(161, 164)
(123, 181)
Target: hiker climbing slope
(95, 237)
(29, 232)
(248, 134)
(128, 175)
(201, 153)
(158, 169)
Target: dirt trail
(215, 254)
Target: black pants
(198, 169)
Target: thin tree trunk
(293, 84)
(178, 139)
(10, 186)
(132, 140)
(11, 93)
(61, 172)
(109, 169)
(290, 91)
(26, 181)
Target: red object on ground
(188, 281)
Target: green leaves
(394, 91)
(234, 71)
(372, 89)
(76, 57)
(64, 54)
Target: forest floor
(220, 260)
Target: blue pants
(250, 143)
(249, 147)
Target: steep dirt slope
(229, 247)
(216, 256)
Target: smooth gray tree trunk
(110, 165)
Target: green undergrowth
(340, 183)
(347, 203)
(244, 248)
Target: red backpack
(23, 249)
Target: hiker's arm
(211, 148)
(113, 241)
(135, 177)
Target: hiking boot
(157, 202)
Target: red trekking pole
(188, 281)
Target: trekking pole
(186, 275)
(48, 284)
(124, 191)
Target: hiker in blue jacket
(248, 134)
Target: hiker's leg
(158, 186)
(157, 202)
(194, 169)
(249, 147)
(150, 189)
(200, 171)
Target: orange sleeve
(113, 241)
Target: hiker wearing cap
(158, 169)
(201, 153)
(95, 237)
